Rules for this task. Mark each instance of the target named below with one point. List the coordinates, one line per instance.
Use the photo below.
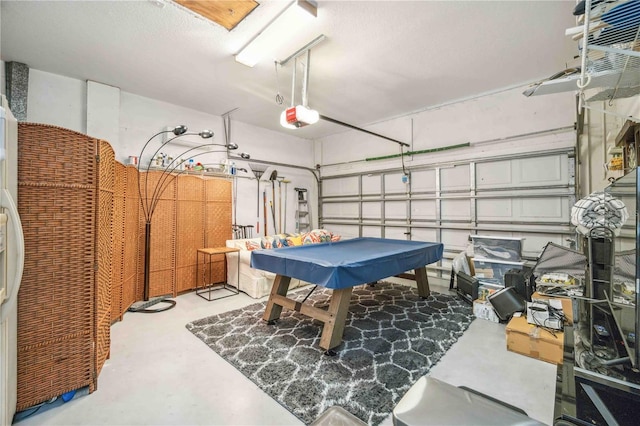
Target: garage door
(528, 196)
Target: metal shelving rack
(609, 52)
(610, 55)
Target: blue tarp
(347, 263)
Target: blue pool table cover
(347, 263)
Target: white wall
(62, 101)
(497, 116)
(141, 117)
(57, 100)
(53, 99)
(103, 111)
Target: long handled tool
(285, 181)
(258, 170)
(272, 178)
(264, 200)
(273, 215)
(280, 179)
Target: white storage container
(507, 249)
(493, 270)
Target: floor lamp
(149, 201)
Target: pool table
(340, 266)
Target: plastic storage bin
(493, 270)
(507, 249)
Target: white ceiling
(381, 59)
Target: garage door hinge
(95, 267)
(97, 158)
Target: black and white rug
(392, 338)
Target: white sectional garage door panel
(522, 172)
(527, 197)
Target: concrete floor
(160, 374)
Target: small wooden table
(207, 286)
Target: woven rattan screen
(84, 248)
(218, 220)
(186, 217)
(190, 227)
(131, 285)
(57, 201)
(105, 245)
(119, 203)
(193, 212)
(163, 236)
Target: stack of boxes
(530, 339)
(492, 258)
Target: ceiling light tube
(288, 22)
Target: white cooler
(431, 402)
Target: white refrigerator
(11, 262)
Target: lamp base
(143, 305)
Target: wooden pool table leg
(334, 327)
(423, 282)
(280, 287)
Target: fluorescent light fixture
(284, 26)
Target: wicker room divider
(190, 214)
(84, 247)
(119, 201)
(193, 212)
(131, 280)
(218, 215)
(58, 203)
(105, 244)
(163, 238)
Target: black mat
(391, 339)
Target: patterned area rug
(392, 338)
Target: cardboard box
(533, 341)
(486, 290)
(567, 305)
(484, 310)
(483, 272)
